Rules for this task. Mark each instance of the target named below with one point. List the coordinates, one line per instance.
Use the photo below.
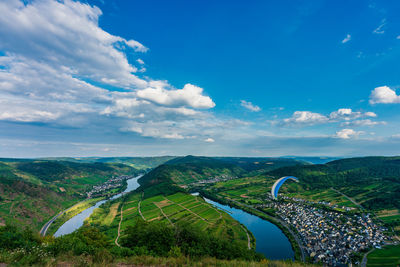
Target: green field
(387, 256)
(172, 209)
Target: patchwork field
(173, 209)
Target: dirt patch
(163, 203)
(111, 215)
(385, 213)
(129, 209)
(156, 218)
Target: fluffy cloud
(384, 95)
(346, 39)
(190, 95)
(209, 140)
(347, 133)
(250, 106)
(306, 117)
(342, 114)
(349, 114)
(57, 62)
(66, 33)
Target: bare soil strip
(165, 215)
(119, 226)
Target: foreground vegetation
(182, 245)
(89, 247)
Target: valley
(323, 223)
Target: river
(77, 221)
(270, 240)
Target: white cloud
(55, 52)
(347, 133)
(384, 95)
(370, 114)
(398, 37)
(366, 122)
(250, 106)
(306, 117)
(66, 34)
(379, 29)
(311, 118)
(190, 95)
(209, 140)
(346, 39)
(349, 114)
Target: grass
(387, 256)
(108, 260)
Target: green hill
(140, 163)
(33, 191)
(373, 181)
(183, 171)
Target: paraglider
(279, 183)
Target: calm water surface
(77, 221)
(270, 240)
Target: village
(330, 237)
(112, 183)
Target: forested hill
(179, 172)
(141, 163)
(32, 191)
(374, 181)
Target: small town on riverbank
(112, 183)
(331, 237)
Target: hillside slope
(373, 181)
(33, 191)
(183, 171)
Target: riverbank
(293, 238)
(71, 212)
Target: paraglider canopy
(279, 183)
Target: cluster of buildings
(221, 178)
(330, 237)
(113, 182)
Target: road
(45, 227)
(296, 237)
(364, 259)
(248, 237)
(349, 198)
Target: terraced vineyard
(176, 208)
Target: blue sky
(234, 78)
